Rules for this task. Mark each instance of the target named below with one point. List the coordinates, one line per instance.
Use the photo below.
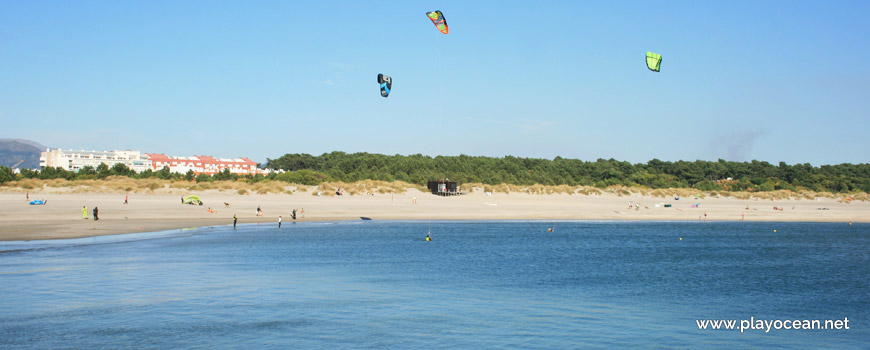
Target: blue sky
(740, 80)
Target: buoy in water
(681, 238)
(774, 231)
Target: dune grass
(366, 187)
(122, 184)
(533, 189)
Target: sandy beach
(61, 217)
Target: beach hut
(444, 187)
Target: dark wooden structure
(444, 188)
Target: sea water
(492, 284)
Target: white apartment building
(73, 160)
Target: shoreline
(290, 224)
(61, 217)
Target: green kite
(193, 200)
(653, 61)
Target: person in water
(428, 238)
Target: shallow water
(477, 284)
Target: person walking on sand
(27, 195)
(293, 215)
(279, 221)
(235, 220)
(126, 198)
(96, 213)
(302, 212)
(85, 212)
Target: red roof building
(203, 164)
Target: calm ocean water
(477, 284)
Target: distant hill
(14, 150)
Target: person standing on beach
(302, 212)
(85, 212)
(96, 213)
(27, 195)
(293, 215)
(125, 198)
(235, 219)
(279, 221)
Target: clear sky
(740, 80)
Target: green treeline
(418, 169)
(103, 171)
(702, 175)
(304, 177)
